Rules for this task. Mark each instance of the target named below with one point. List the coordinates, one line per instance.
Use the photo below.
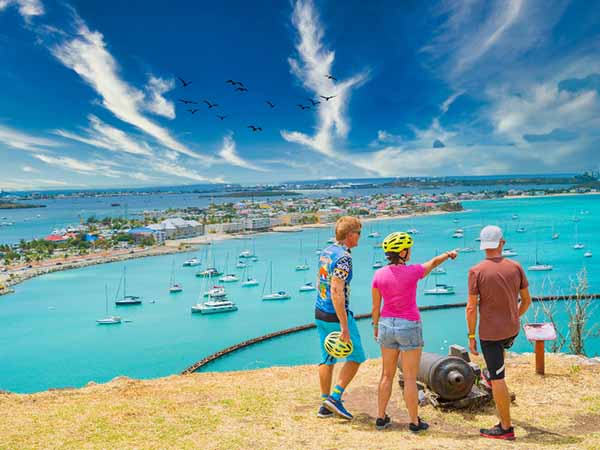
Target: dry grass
(275, 408)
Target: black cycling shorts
(493, 353)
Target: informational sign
(539, 331)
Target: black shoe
(324, 413)
(422, 426)
(497, 432)
(382, 424)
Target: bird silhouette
(270, 104)
(193, 111)
(184, 83)
(187, 102)
(221, 117)
(211, 105)
(242, 89)
(254, 128)
(232, 82)
(331, 77)
(326, 98)
(302, 107)
(314, 103)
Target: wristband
(471, 336)
(375, 325)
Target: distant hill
(12, 205)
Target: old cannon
(449, 381)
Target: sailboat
(192, 262)
(578, 245)
(466, 249)
(173, 286)
(247, 279)
(440, 288)
(539, 267)
(439, 270)
(587, 254)
(376, 264)
(279, 295)
(108, 320)
(508, 252)
(215, 304)
(555, 235)
(209, 271)
(127, 300)
(302, 266)
(228, 277)
(241, 264)
(373, 234)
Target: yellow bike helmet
(396, 242)
(336, 347)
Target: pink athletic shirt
(398, 287)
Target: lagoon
(49, 338)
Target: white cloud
(21, 141)
(228, 154)
(157, 104)
(87, 55)
(75, 165)
(29, 169)
(27, 8)
(105, 136)
(311, 66)
(172, 168)
(445, 106)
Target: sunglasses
(358, 232)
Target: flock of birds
(241, 87)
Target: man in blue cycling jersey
(332, 314)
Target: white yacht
(412, 231)
(209, 272)
(458, 235)
(108, 320)
(281, 295)
(440, 289)
(175, 288)
(587, 254)
(215, 292)
(508, 252)
(229, 278)
(521, 230)
(307, 287)
(373, 234)
(514, 217)
(192, 262)
(214, 307)
(377, 265)
(578, 246)
(537, 267)
(245, 254)
(249, 282)
(438, 271)
(241, 265)
(555, 236)
(127, 300)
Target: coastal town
(152, 232)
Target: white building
(177, 228)
(258, 223)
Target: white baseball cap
(490, 237)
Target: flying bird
(183, 82)
(193, 111)
(302, 106)
(270, 104)
(254, 128)
(241, 89)
(211, 105)
(327, 98)
(314, 103)
(188, 102)
(232, 82)
(221, 117)
(331, 77)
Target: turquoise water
(49, 338)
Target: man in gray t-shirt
(495, 285)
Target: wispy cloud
(156, 103)
(27, 8)
(102, 135)
(87, 55)
(22, 141)
(75, 165)
(229, 154)
(29, 169)
(175, 169)
(311, 65)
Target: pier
(203, 362)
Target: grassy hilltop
(275, 408)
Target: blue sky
(90, 90)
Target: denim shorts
(400, 334)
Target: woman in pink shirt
(397, 327)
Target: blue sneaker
(337, 407)
(324, 413)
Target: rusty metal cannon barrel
(450, 377)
